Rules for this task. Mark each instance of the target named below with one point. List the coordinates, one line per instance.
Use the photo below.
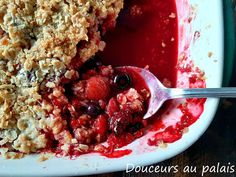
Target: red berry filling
(100, 105)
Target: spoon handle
(225, 92)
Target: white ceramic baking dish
(209, 21)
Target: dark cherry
(92, 63)
(122, 81)
(93, 109)
(68, 90)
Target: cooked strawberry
(97, 88)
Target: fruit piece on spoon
(157, 95)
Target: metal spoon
(159, 93)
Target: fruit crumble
(46, 100)
(59, 94)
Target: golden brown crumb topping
(38, 40)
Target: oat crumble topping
(38, 40)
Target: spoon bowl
(159, 93)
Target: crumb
(162, 145)
(163, 44)
(147, 67)
(172, 15)
(181, 57)
(44, 157)
(210, 54)
(185, 130)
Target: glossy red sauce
(117, 153)
(145, 34)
